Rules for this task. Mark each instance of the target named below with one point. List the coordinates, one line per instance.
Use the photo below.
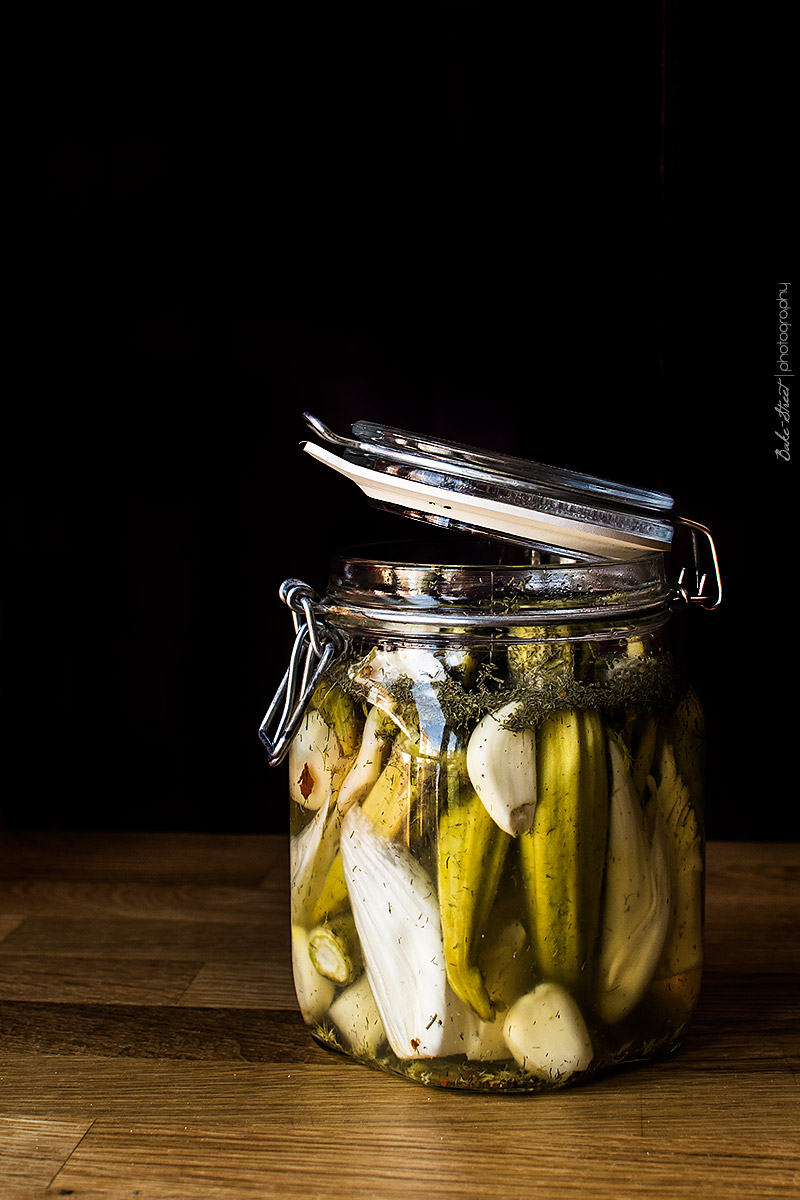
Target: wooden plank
(83, 899)
(765, 941)
(71, 979)
(147, 1031)
(32, 1149)
(109, 937)
(706, 1105)
(66, 979)
(331, 1091)
(752, 905)
(305, 1161)
(761, 864)
(8, 921)
(762, 1005)
(67, 1086)
(265, 985)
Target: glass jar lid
(528, 503)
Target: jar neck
(401, 589)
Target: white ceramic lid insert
(513, 499)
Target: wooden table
(150, 1047)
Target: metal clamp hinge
(315, 648)
(700, 583)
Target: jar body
(497, 848)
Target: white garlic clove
(355, 1014)
(501, 763)
(316, 762)
(314, 992)
(546, 1033)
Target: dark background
(555, 234)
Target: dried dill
(638, 683)
(463, 707)
(538, 678)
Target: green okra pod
(471, 855)
(562, 855)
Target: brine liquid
(657, 1032)
(432, 943)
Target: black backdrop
(559, 236)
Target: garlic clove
(316, 762)
(501, 764)
(485, 1040)
(546, 1033)
(355, 1014)
(314, 992)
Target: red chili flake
(306, 782)
(415, 1043)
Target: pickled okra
(471, 858)
(562, 855)
(497, 867)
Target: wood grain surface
(151, 1047)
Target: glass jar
(497, 848)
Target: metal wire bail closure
(315, 647)
(701, 584)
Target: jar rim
(387, 583)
